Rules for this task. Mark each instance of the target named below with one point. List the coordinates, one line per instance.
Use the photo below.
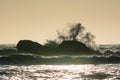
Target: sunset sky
(38, 20)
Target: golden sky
(38, 20)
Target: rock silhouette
(65, 48)
(74, 47)
(29, 46)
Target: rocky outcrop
(30, 46)
(65, 48)
(74, 47)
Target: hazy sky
(38, 20)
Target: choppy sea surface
(59, 71)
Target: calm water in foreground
(61, 72)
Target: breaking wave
(13, 58)
(54, 60)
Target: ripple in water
(60, 72)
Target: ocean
(61, 72)
(32, 67)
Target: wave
(55, 60)
(7, 46)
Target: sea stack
(29, 46)
(74, 47)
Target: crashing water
(112, 47)
(55, 68)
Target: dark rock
(65, 48)
(29, 46)
(97, 53)
(74, 47)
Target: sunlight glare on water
(60, 72)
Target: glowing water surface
(61, 72)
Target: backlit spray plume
(75, 33)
